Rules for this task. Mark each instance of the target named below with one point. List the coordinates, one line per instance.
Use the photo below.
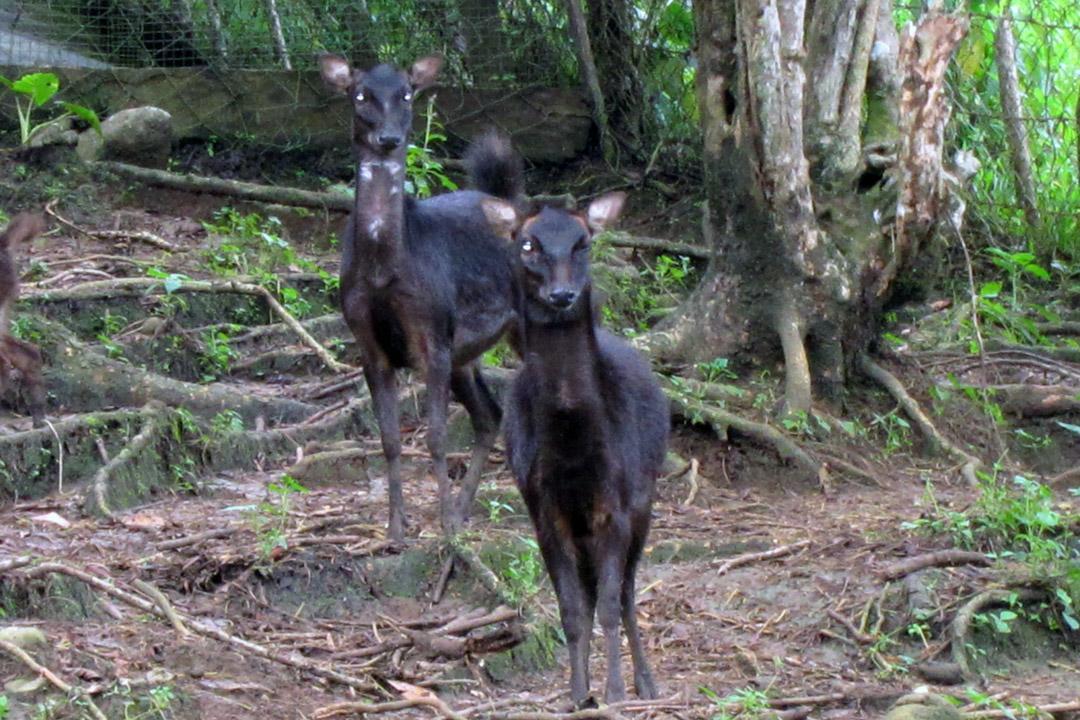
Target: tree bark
(1012, 109)
(590, 79)
(802, 265)
(611, 36)
(217, 31)
(281, 50)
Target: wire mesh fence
(487, 43)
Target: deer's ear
(424, 71)
(605, 210)
(335, 72)
(501, 216)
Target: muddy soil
(283, 599)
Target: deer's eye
(360, 96)
(527, 247)
(407, 96)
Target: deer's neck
(379, 213)
(562, 352)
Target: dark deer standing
(586, 431)
(424, 284)
(18, 354)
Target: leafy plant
(745, 702)
(32, 91)
(897, 431)
(716, 370)
(5, 707)
(424, 173)
(217, 355)
(270, 517)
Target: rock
(922, 706)
(58, 132)
(141, 136)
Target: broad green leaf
(173, 283)
(40, 87)
(990, 289)
(1037, 270)
(84, 113)
(1069, 426)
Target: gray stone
(58, 132)
(141, 136)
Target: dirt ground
(761, 594)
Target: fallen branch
(141, 286)
(163, 604)
(969, 463)
(659, 245)
(1049, 709)
(721, 420)
(22, 656)
(483, 573)
(940, 558)
(232, 188)
(98, 497)
(140, 235)
(205, 629)
(747, 558)
(961, 624)
(855, 632)
(362, 708)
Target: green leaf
(990, 289)
(83, 113)
(40, 87)
(173, 282)
(1069, 426)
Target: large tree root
(97, 498)
(941, 558)
(206, 629)
(720, 419)
(232, 188)
(138, 287)
(969, 463)
(961, 624)
(1030, 400)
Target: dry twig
(22, 656)
(935, 559)
(747, 558)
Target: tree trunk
(590, 80)
(1012, 107)
(281, 50)
(611, 35)
(802, 262)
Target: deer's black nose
(390, 142)
(563, 299)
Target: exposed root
(22, 656)
(139, 286)
(961, 624)
(697, 411)
(484, 574)
(206, 629)
(1064, 709)
(163, 604)
(658, 245)
(969, 463)
(797, 388)
(98, 498)
(942, 558)
(747, 558)
(692, 480)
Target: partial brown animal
(18, 354)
